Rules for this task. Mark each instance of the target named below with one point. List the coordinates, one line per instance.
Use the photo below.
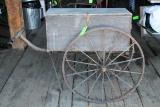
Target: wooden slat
(5, 57)
(96, 92)
(83, 88)
(15, 20)
(7, 69)
(38, 95)
(132, 100)
(11, 63)
(153, 76)
(26, 62)
(145, 90)
(110, 92)
(154, 44)
(28, 82)
(14, 81)
(53, 93)
(66, 95)
(155, 61)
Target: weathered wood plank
(12, 62)
(132, 100)
(66, 95)
(116, 84)
(153, 77)
(111, 93)
(96, 91)
(53, 93)
(108, 93)
(8, 68)
(154, 44)
(28, 83)
(15, 20)
(5, 57)
(83, 88)
(38, 94)
(155, 61)
(12, 85)
(30, 77)
(145, 91)
(14, 81)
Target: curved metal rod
(19, 35)
(31, 45)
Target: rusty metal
(119, 97)
(31, 45)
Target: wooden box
(63, 25)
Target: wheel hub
(104, 69)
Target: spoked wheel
(100, 65)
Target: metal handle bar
(19, 35)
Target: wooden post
(15, 20)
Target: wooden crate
(64, 25)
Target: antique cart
(98, 51)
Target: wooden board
(153, 79)
(83, 88)
(53, 93)
(15, 20)
(132, 100)
(13, 84)
(38, 95)
(28, 83)
(145, 91)
(5, 70)
(65, 99)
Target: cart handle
(20, 36)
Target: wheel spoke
(111, 84)
(120, 55)
(126, 61)
(88, 57)
(125, 71)
(84, 80)
(81, 62)
(104, 52)
(93, 85)
(103, 87)
(125, 56)
(111, 50)
(104, 57)
(121, 79)
(82, 72)
(117, 65)
(94, 49)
